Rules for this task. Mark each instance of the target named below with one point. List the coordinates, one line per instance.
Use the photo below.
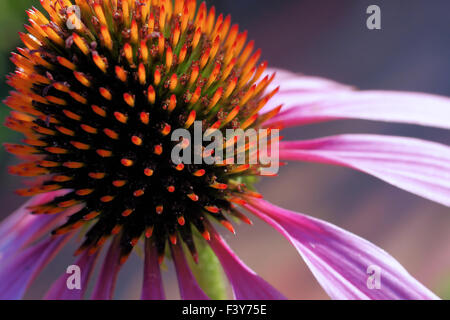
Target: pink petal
(418, 166)
(152, 288)
(339, 259)
(301, 105)
(18, 273)
(106, 281)
(295, 82)
(298, 90)
(189, 288)
(21, 227)
(246, 284)
(14, 219)
(59, 289)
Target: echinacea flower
(98, 90)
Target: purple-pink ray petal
(60, 290)
(418, 166)
(288, 80)
(152, 287)
(31, 228)
(298, 89)
(328, 102)
(16, 217)
(342, 262)
(246, 284)
(106, 281)
(189, 288)
(17, 273)
(21, 227)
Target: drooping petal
(326, 103)
(60, 290)
(342, 262)
(418, 166)
(189, 288)
(289, 81)
(298, 89)
(11, 222)
(19, 272)
(22, 228)
(106, 281)
(152, 287)
(246, 284)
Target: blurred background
(325, 38)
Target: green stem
(208, 272)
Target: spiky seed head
(97, 96)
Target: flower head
(97, 96)
(100, 86)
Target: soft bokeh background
(326, 38)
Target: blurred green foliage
(12, 19)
